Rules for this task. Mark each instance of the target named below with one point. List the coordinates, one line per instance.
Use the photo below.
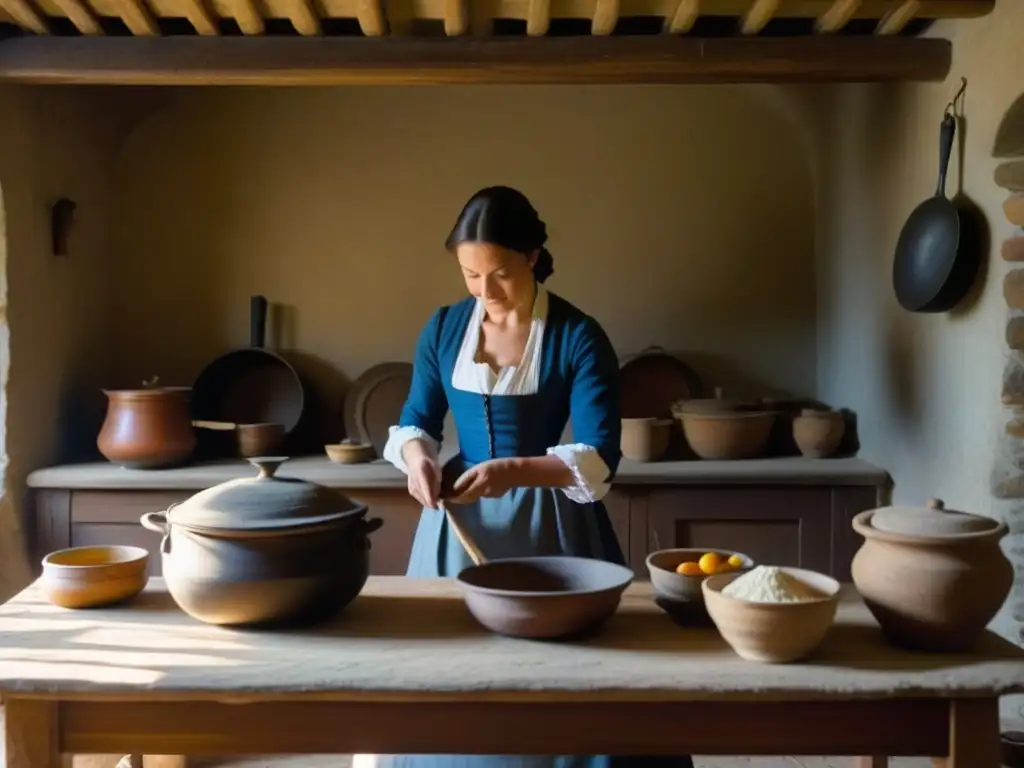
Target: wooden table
(406, 669)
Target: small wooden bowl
(259, 439)
(350, 453)
(90, 577)
(661, 566)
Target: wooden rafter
(304, 17)
(372, 19)
(894, 21)
(456, 17)
(248, 18)
(136, 17)
(25, 15)
(200, 17)
(538, 17)
(684, 16)
(759, 15)
(358, 61)
(837, 16)
(81, 16)
(606, 16)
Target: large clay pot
(265, 550)
(147, 428)
(933, 578)
(719, 428)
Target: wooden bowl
(544, 597)
(350, 453)
(739, 435)
(661, 566)
(89, 577)
(259, 439)
(773, 632)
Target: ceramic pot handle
(369, 526)
(936, 504)
(155, 521)
(267, 465)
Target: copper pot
(147, 428)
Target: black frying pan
(938, 251)
(251, 385)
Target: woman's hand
(424, 474)
(489, 479)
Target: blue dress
(579, 378)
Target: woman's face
(501, 277)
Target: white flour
(769, 584)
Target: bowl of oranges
(677, 574)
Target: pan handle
(946, 134)
(258, 321)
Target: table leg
(33, 735)
(973, 735)
(872, 761)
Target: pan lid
(263, 503)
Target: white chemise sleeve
(588, 470)
(398, 437)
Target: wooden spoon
(463, 536)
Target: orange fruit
(736, 561)
(689, 569)
(709, 562)
(724, 567)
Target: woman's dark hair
(503, 216)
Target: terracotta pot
(264, 550)
(645, 439)
(933, 578)
(817, 433)
(147, 428)
(717, 428)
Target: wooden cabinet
(804, 525)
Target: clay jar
(645, 440)
(147, 428)
(264, 550)
(817, 433)
(933, 578)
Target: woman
(513, 363)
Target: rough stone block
(1013, 207)
(1015, 333)
(1013, 379)
(1007, 479)
(1010, 176)
(1013, 288)
(1013, 248)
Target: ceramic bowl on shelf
(90, 577)
(773, 632)
(350, 452)
(718, 428)
(680, 596)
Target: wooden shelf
(410, 61)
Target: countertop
(380, 474)
(413, 639)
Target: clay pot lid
(150, 388)
(263, 503)
(933, 519)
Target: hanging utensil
(939, 250)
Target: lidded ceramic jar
(264, 550)
(932, 577)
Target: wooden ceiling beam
(200, 17)
(248, 17)
(894, 21)
(396, 61)
(304, 17)
(538, 17)
(682, 19)
(606, 16)
(758, 16)
(25, 15)
(137, 18)
(81, 16)
(456, 17)
(837, 16)
(372, 19)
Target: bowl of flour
(772, 614)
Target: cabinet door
(773, 525)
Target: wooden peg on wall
(62, 215)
